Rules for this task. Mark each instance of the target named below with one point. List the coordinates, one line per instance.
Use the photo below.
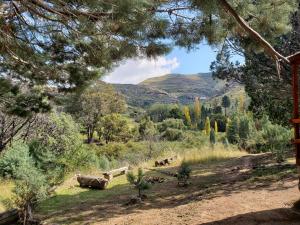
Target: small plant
(212, 137)
(183, 174)
(138, 181)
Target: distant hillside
(142, 96)
(174, 88)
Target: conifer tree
(212, 137)
(226, 103)
(232, 133)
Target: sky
(136, 70)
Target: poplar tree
(187, 115)
(197, 110)
(207, 126)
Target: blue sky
(195, 61)
(179, 60)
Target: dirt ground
(250, 190)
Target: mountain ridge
(174, 88)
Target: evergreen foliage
(226, 103)
(114, 127)
(212, 137)
(184, 173)
(232, 132)
(138, 181)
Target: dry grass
(6, 187)
(209, 155)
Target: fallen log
(9, 217)
(165, 162)
(92, 182)
(116, 172)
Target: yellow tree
(197, 109)
(216, 127)
(187, 115)
(207, 126)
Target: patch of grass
(273, 173)
(71, 195)
(210, 155)
(6, 187)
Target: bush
(276, 139)
(172, 134)
(232, 133)
(138, 181)
(31, 186)
(171, 123)
(183, 173)
(212, 137)
(147, 128)
(114, 127)
(13, 158)
(221, 121)
(61, 141)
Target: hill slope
(174, 88)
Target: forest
(77, 150)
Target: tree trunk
(90, 134)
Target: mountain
(174, 88)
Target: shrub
(138, 181)
(212, 137)
(172, 134)
(171, 123)
(232, 133)
(244, 128)
(183, 173)
(276, 139)
(13, 158)
(114, 127)
(104, 163)
(221, 121)
(30, 186)
(147, 129)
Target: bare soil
(250, 190)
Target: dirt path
(235, 192)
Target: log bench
(165, 162)
(116, 172)
(92, 182)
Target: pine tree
(232, 133)
(226, 103)
(138, 181)
(207, 126)
(212, 137)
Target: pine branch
(254, 34)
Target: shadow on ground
(281, 216)
(208, 182)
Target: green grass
(70, 194)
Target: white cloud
(136, 70)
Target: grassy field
(70, 194)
